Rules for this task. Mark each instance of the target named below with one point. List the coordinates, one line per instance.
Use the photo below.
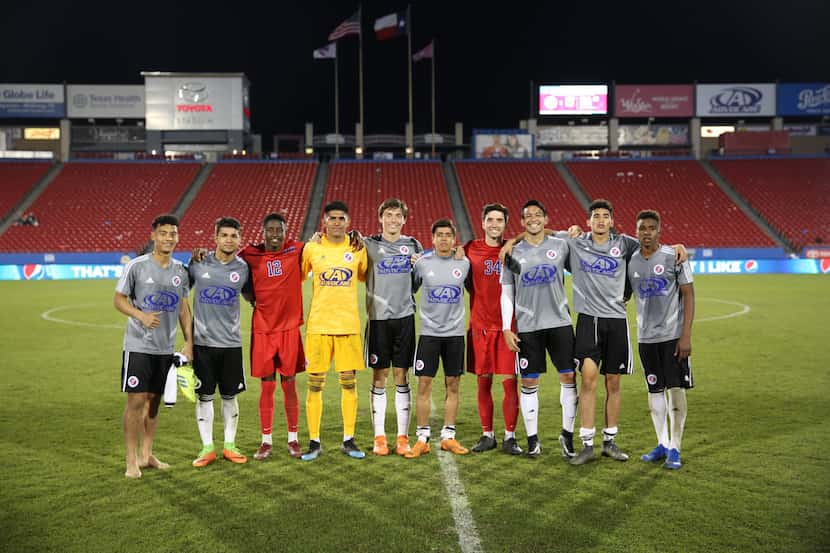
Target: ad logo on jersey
(601, 265)
(176, 280)
(161, 301)
(540, 274)
(615, 251)
(404, 250)
(444, 294)
(659, 269)
(751, 266)
(651, 379)
(218, 295)
(132, 382)
(234, 276)
(457, 273)
(33, 272)
(394, 264)
(336, 276)
(650, 287)
(347, 257)
(551, 254)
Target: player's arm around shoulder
(362, 264)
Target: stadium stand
(17, 178)
(695, 211)
(248, 191)
(97, 207)
(793, 195)
(512, 183)
(365, 185)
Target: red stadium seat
(17, 178)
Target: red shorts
(487, 353)
(277, 352)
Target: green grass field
(754, 477)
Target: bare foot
(133, 472)
(153, 462)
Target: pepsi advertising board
(804, 99)
(761, 266)
(36, 271)
(573, 99)
(736, 100)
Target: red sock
(510, 404)
(266, 405)
(485, 402)
(291, 403)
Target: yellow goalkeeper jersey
(336, 270)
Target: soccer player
(487, 351)
(217, 344)
(442, 334)
(390, 331)
(153, 293)
(333, 330)
(537, 292)
(665, 298)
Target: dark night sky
(487, 53)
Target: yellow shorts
(346, 350)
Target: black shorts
(606, 341)
(450, 349)
(222, 366)
(144, 372)
(390, 342)
(663, 369)
(557, 342)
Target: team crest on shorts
(523, 362)
(177, 280)
(373, 358)
(132, 382)
(347, 257)
(659, 269)
(651, 379)
(456, 273)
(615, 251)
(234, 276)
(419, 365)
(405, 250)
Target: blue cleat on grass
(655, 454)
(673, 460)
(315, 449)
(351, 449)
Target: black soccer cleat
(566, 440)
(350, 448)
(584, 456)
(534, 448)
(485, 443)
(610, 449)
(511, 447)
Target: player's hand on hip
(150, 319)
(512, 340)
(684, 348)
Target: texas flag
(390, 26)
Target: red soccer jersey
(277, 285)
(485, 292)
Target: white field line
(744, 309)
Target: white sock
(508, 435)
(378, 398)
(529, 402)
(403, 400)
(423, 433)
(230, 414)
(292, 437)
(347, 437)
(608, 434)
(448, 432)
(267, 439)
(568, 399)
(490, 434)
(677, 415)
(204, 420)
(587, 435)
(657, 406)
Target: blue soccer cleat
(655, 454)
(673, 460)
(315, 449)
(351, 449)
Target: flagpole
(336, 111)
(411, 137)
(360, 71)
(432, 66)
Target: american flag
(351, 26)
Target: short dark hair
(537, 203)
(274, 217)
(493, 207)
(165, 219)
(228, 222)
(393, 203)
(649, 214)
(600, 204)
(444, 223)
(336, 205)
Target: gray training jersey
(599, 274)
(389, 292)
(216, 288)
(539, 290)
(441, 306)
(151, 288)
(656, 285)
